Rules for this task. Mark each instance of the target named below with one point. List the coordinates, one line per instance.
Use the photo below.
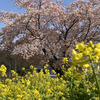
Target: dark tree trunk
(58, 69)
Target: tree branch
(88, 29)
(67, 29)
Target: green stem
(95, 77)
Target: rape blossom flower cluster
(3, 70)
(75, 84)
(84, 53)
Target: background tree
(17, 62)
(49, 28)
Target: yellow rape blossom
(31, 67)
(80, 46)
(98, 46)
(28, 83)
(88, 90)
(65, 60)
(79, 76)
(74, 52)
(97, 50)
(3, 70)
(23, 68)
(86, 66)
(78, 56)
(91, 44)
(87, 51)
(96, 98)
(63, 66)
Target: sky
(7, 5)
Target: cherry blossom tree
(49, 28)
